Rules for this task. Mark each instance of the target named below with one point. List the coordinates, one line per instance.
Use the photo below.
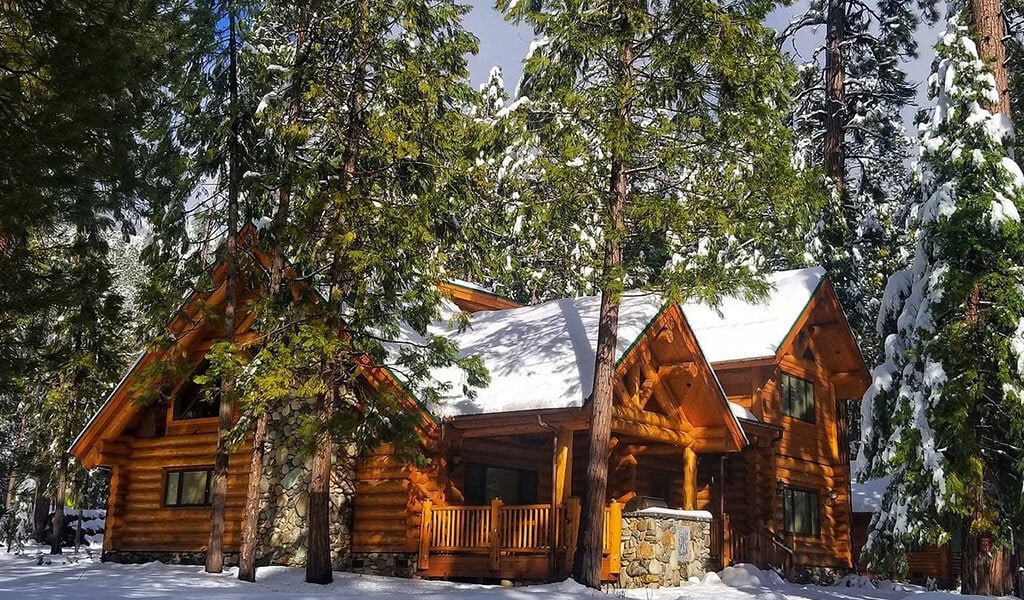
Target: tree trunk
(318, 555)
(57, 535)
(251, 522)
(78, 530)
(40, 513)
(977, 574)
(219, 485)
(590, 542)
(250, 526)
(835, 113)
(990, 32)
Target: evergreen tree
(365, 147)
(848, 123)
(640, 122)
(944, 416)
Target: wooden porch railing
(761, 547)
(515, 530)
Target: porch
(499, 541)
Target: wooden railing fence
(526, 530)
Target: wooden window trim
(785, 514)
(191, 469)
(814, 397)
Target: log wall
(140, 519)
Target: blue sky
(505, 45)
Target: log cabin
(727, 446)
(793, 366)
(940, 564)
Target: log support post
(563, 465)
(495, 549)
(689, 479)
(425, 519)
(572, 516)
(615, 537)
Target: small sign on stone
(683, 543)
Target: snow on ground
(22, 578)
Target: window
(797, 397)
(188, 488)
(800, 510)
(192, 400)
(513, 486)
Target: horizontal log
(382, 500)
(380, 512)
(383, 486)
(380, 525)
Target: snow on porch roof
(538, 356)
(741, 330)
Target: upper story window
(797, 397)
(188, 487)
(513, 486)
(800, 509)
(193, 400)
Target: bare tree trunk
(57, 535)
(251, 522)
(587, 567)
(990, 32)
(219, 485)
(40, 513)
(78, 529)
(318, 555)
(835, 112)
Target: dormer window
(193, 400)
(797, 397)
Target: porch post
(562, 482)
(689, 479)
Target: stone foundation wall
(132, 557)
(391, 564)
(284, 492)
(664, 549)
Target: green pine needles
(945, 416)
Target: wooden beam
(649, 418)
(651, 432)
(689, 479)
(563, 465)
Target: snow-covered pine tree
(848, 123)
(944, 416)
(647, 122)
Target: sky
(503, 44)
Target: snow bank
(742, 576)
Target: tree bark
(251, 520)
(833, 150)
(990, 32)
(587, 562)
(40, 514)
(219, 485)
(318, 554)
(57, 535)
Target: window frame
(788, 409)
(180, 471)
(524, 476)
(788, 513)
(174, 414)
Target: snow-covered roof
(741, 412)
(866, 497)
(741, 330)
(538, 356)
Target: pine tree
(365, 143)
(848, 123)
(641, 122)
(944, 415)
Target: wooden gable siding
(803, 455)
